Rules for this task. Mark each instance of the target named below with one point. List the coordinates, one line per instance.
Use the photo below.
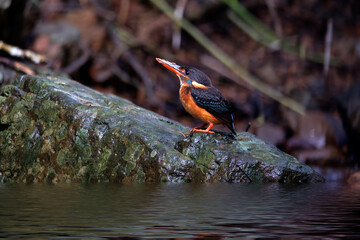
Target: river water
(181, 210)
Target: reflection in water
(179, 210)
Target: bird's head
(188, 76)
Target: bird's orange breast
(192, 108)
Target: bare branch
(17, 52)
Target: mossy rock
(57, 130)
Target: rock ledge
(57, 130)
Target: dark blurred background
(308, 50)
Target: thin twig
(124, 76)
(248, 127)
(270, 41)
(179, 13)
(277, 23)
(250, 19)
(17, 66)
(228, 61)
(327, 50)
(218, 67)
(264, 35)
(17, 52)
(327, 55)
(121, 48)
(134, 63)
(75, 65)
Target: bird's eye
(187, 72)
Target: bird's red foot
(196, 129)
(201, 127)
(201, 130)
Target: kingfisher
(200, 98)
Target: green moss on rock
(129, 167)
(140, 176)
(61, 131)
(133, 151)
(48, 111)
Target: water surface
(179, 210)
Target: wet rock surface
(57, 130)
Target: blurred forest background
(289, 67)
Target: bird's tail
(231, 125)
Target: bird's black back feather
(212, 101)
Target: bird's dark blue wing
(212, 101)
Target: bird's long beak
(172, 67)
